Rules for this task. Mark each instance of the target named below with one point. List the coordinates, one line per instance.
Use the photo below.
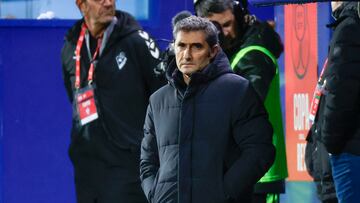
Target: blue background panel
(36, 113)
(1, 125)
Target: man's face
(98, 11)
(228, 25)
(192, 52)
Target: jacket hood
(345, 9)
(218, 66)
(262, 34)
(125, 25)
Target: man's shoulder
(73, 32)
(229, 89)
(164, 97)
(141, 36)
(231, 80)
(262, 34)
(349, 27)
(161, 92)
(126, 25)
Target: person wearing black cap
(108, 82)
(253, 48)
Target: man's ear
(214, 50)
(80, 4)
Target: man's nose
(187, 54)
(108, 2)
(226, 31)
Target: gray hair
(194, 23)
(206, 8)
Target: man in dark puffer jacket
(339, 113)
(192, 124)
(253, 48)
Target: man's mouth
(187, 64)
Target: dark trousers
(103, 172)
(106, 175)
(98, 183)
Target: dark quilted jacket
(208, 142)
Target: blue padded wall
(35, 113)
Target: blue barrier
(36, 113)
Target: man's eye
(198, 46)
(180, 46)
(227, 24)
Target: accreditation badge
(85, 105)
(319, 91)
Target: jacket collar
(347, 9)
(218, 66)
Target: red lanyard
(322, 71)
(317, 95)
(77, 56)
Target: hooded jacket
(256, 66)
(191, 132)
(339, 113)
(336, 126)
(124, 78)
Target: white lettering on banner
(301, 112)
(301, 157)
(86, 103)
(301, 136)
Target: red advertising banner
(300, 80)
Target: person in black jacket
(194, 123)
(338, 119)
(253, 48)
(109, 83)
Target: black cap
(180, 16)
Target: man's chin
(108, 16)
(107, 20)
(186, 71)
(187, 67)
